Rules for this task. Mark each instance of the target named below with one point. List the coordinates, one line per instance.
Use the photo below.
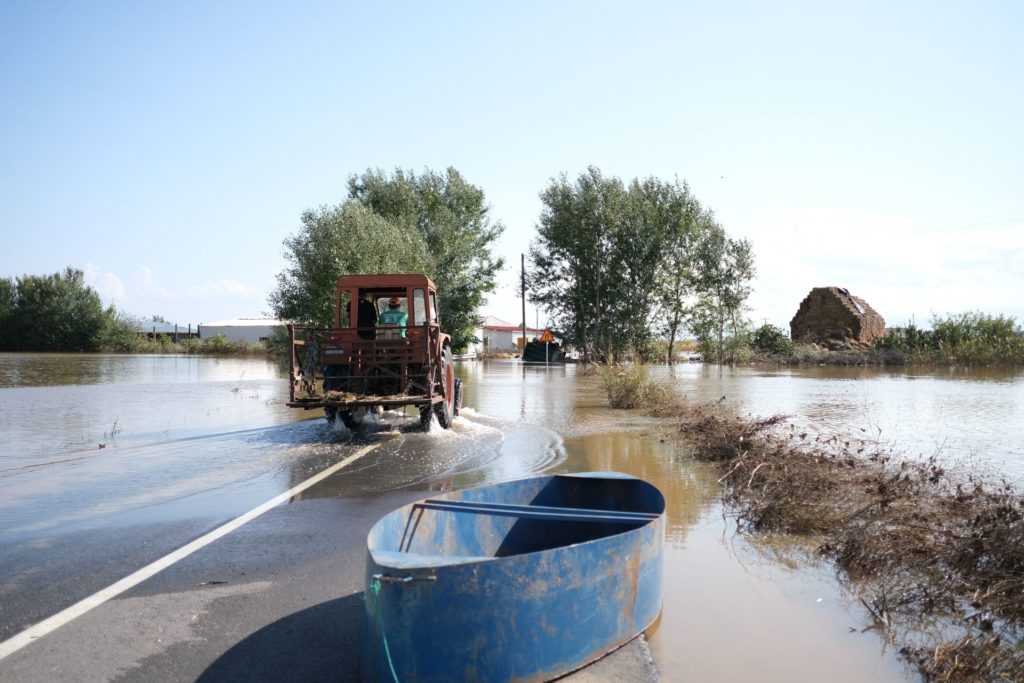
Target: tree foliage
(452, 218)
(8, 294)
(571, 260)
(616, 264)
(56, 312)
(333, 241)
(723, 268)
(435, 224)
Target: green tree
(613, 264)
(333, 241)
(722, 271)
(571, 260)
(452, 218)
(121, 331)
(435, 224)
(638, 259)
(56, 312)
(8, 292)
(676, 283)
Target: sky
(167, 149)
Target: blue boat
(520, 581)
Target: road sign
(546, 336)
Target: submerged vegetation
(631, 387)
(934, 553)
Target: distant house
(153, 329)
(834, 313)
(241, 329)
(499, 335)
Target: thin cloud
(233, 289)
(108, 285)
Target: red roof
(512, 328)
(499, 325)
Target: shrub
(965, 338)
(771, 339)
(631, 387)
(120, 333)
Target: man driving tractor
(394, 317)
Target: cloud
(224, 288)
(108, 285)
(146, 287)
(145, 293)
(902, 267)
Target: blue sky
(167, 149)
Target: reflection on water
(70, 406)
(964, 414)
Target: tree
(453, 220)
(675, 283)
(571, 260)
(56, 312)
(435, 224)
(333, 241)
(121, 331)
(8, 292)
(613, 264)
(723, 268)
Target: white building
(241, 329)
(499, 335)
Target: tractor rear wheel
(445, 409)
(350, 419)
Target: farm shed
(154, 329)
(834, 313)
(241, 329)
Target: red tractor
(386, 349)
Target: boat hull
(523, 581)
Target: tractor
(385, 351)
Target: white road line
(12, 645)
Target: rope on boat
(372, 595)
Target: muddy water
(733, 611)
(965, 415)
(90, 440)
(184, 437)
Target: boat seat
(539, 512)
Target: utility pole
(522, 261)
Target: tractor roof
(374, 281)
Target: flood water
(96, 441)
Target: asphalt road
(276, 599)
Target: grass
(218, 345)
(934, 553)
(630, 386)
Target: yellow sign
(546, 336)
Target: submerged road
(273, 593)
